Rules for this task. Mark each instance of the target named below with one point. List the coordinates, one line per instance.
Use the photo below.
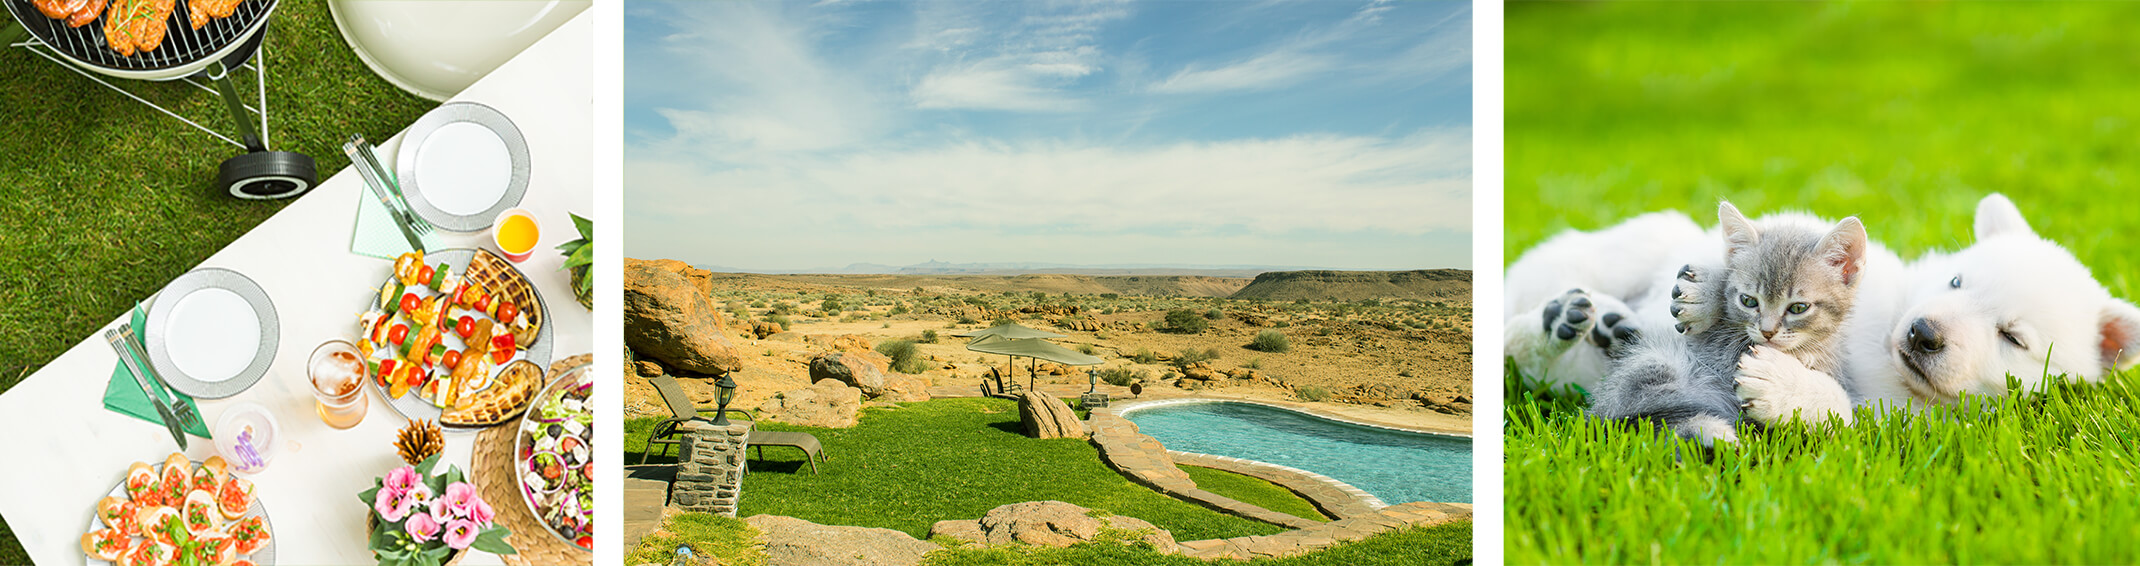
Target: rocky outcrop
(1051, 523)
(1078, 323)
(762, 329)
(1048, 417)
(669, 317)
(794, 542)
(869, 371)
(646, 368)
(827, 404)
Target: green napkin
(126, 397)
(376, 235)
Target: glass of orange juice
(515, 233)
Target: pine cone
(418, 441)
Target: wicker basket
(498, 278)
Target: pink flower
(460, 497)
(391, 506)
(481, 512)
(402, 479)
(460, 533)
(422, 528)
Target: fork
(369, 158)
(179, 403)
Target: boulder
(1080, 324)
(762, 329)
(670, 318)
(794, 542)
(1199, 372)
(827, 404)
(1048, 417)
(852, 343)
(646, 368)
(852, 369)
(1050, 523)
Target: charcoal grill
(200, 57)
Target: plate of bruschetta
(180, 512)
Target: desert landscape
(1386, 346)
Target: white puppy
(2012, 303)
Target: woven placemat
(492, 472)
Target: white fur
(1777, 388)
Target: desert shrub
(1002, 320)
(1186, 321)
(1122, 377)
(1311, 393)
(1110, 295)
(832, 305)
(900, 309)
(779, 319)
(784, 307)
(1214, 314)
(967, 320)
(1085, 349)
(1281, 324)
(1255, 363)
(928, 336)
(906, 358)
(1270, 341)
(1193, 356)
(1144, 356)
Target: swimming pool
(1395, 466)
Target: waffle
(507, 396)
(499, 279)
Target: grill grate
(182, 45)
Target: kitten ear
(1996, 216)
(1843, 249)
(2118, 337)
(1739, 234)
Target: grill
(192, 55)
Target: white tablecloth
(65, 450)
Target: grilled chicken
(137, 26)
(77, 13)
(201, 11)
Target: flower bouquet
(422, 520)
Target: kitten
(1787, 284)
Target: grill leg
(221, 75)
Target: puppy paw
(1693, 292)
(1774, 387)
(1571, 316)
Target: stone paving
(1323, 535)
(1145, 461)
(1335, 498)
(646, 493)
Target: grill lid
(182, 45)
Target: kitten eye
(1956, 283)
(1749, 301)
(1799, 308)
(2011, 339)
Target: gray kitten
(1787, 283)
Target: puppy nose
(1923, 339)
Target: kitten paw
(1692, 304)
(1775, 387)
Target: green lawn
(108, 199)
(1253, 491)
(1906, 114)
(909, 467)
(730, 541)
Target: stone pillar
(709, 468)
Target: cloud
(1028, 87)
(1027, 57)
(1270, 70)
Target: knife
(187, 415)
(378, 184)
(126, 357)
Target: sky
(808, 135)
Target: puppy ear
(2119, 337)
(1739, 234)
(1997, 216)
(1843, 249)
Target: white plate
(465, 166)
(212, 334)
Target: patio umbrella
(1034, 348)
(1010, 330)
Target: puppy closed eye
(2011, 338)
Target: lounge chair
(682, 410)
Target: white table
(66, 450)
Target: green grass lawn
(1905, 114)
(108, 199)
(906, 468)
(729, 541)
(1253, 491)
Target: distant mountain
(935, 267)
(1358, 285)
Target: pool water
(1395, 466)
